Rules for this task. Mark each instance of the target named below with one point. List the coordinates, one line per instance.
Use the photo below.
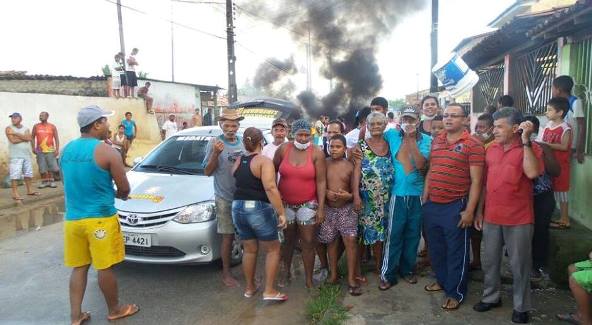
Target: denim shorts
(254, 220)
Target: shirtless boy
(340, 218)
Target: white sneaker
(52, 185)
(42, 185)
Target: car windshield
(178, 155)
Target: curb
(30, 202)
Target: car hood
(153, 192)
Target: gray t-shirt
(21, 149)
(224, 185)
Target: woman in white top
(120, 143)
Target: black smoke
(344, 37)
(270, 78)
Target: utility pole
(121, 42)
(172, 46)
(232, 91)
(434, 39)
(308, 63)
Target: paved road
(34, 288)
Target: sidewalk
(409, 304)
(7, 203)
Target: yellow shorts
(96, 240)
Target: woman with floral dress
(376, 178)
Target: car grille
(140, 220)
(154, 251)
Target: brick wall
(77, 87)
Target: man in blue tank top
(91, 229)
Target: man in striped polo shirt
(451, 194)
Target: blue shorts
(254, 220)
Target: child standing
(558, 135)
(340, 217)
(562, 87)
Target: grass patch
(325, 308)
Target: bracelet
(527, 144)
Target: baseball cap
(411, 112)
(279, 121)
(15, 114)
(91, 113)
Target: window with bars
(582, 75)
(489, 88)
(531, 78)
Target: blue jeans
(254, 220)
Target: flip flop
(277, 297)
(354, 290)
(127, 311)
(34, 194)
(18, 199)
(251, 294)
(411, 279)
(558, 225)
(446, 305)
(430, 287)
(569, 318)
(384, 285)
(85, 317)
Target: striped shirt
(449, 177)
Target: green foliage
(106, 71)
(142, 75)
(325, 307)
(396, 104)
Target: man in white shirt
(169, 128)
(279, 129)
(352, 137)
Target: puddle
(27, 219)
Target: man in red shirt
(512, 162)
(451, 194)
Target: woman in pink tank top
(302, 185)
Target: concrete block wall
(63, 111)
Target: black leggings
(544, 205)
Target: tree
(396, 104)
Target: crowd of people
(473, 195)
(371, 193)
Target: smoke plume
(344, 37)
(270, 78)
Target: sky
(78, 37)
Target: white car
(170, 217)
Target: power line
(170, 21)
(265, 60)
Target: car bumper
(175, 243)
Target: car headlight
(194, 213)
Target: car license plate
(133, 239)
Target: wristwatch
(527, 143)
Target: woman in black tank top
(255, 199)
